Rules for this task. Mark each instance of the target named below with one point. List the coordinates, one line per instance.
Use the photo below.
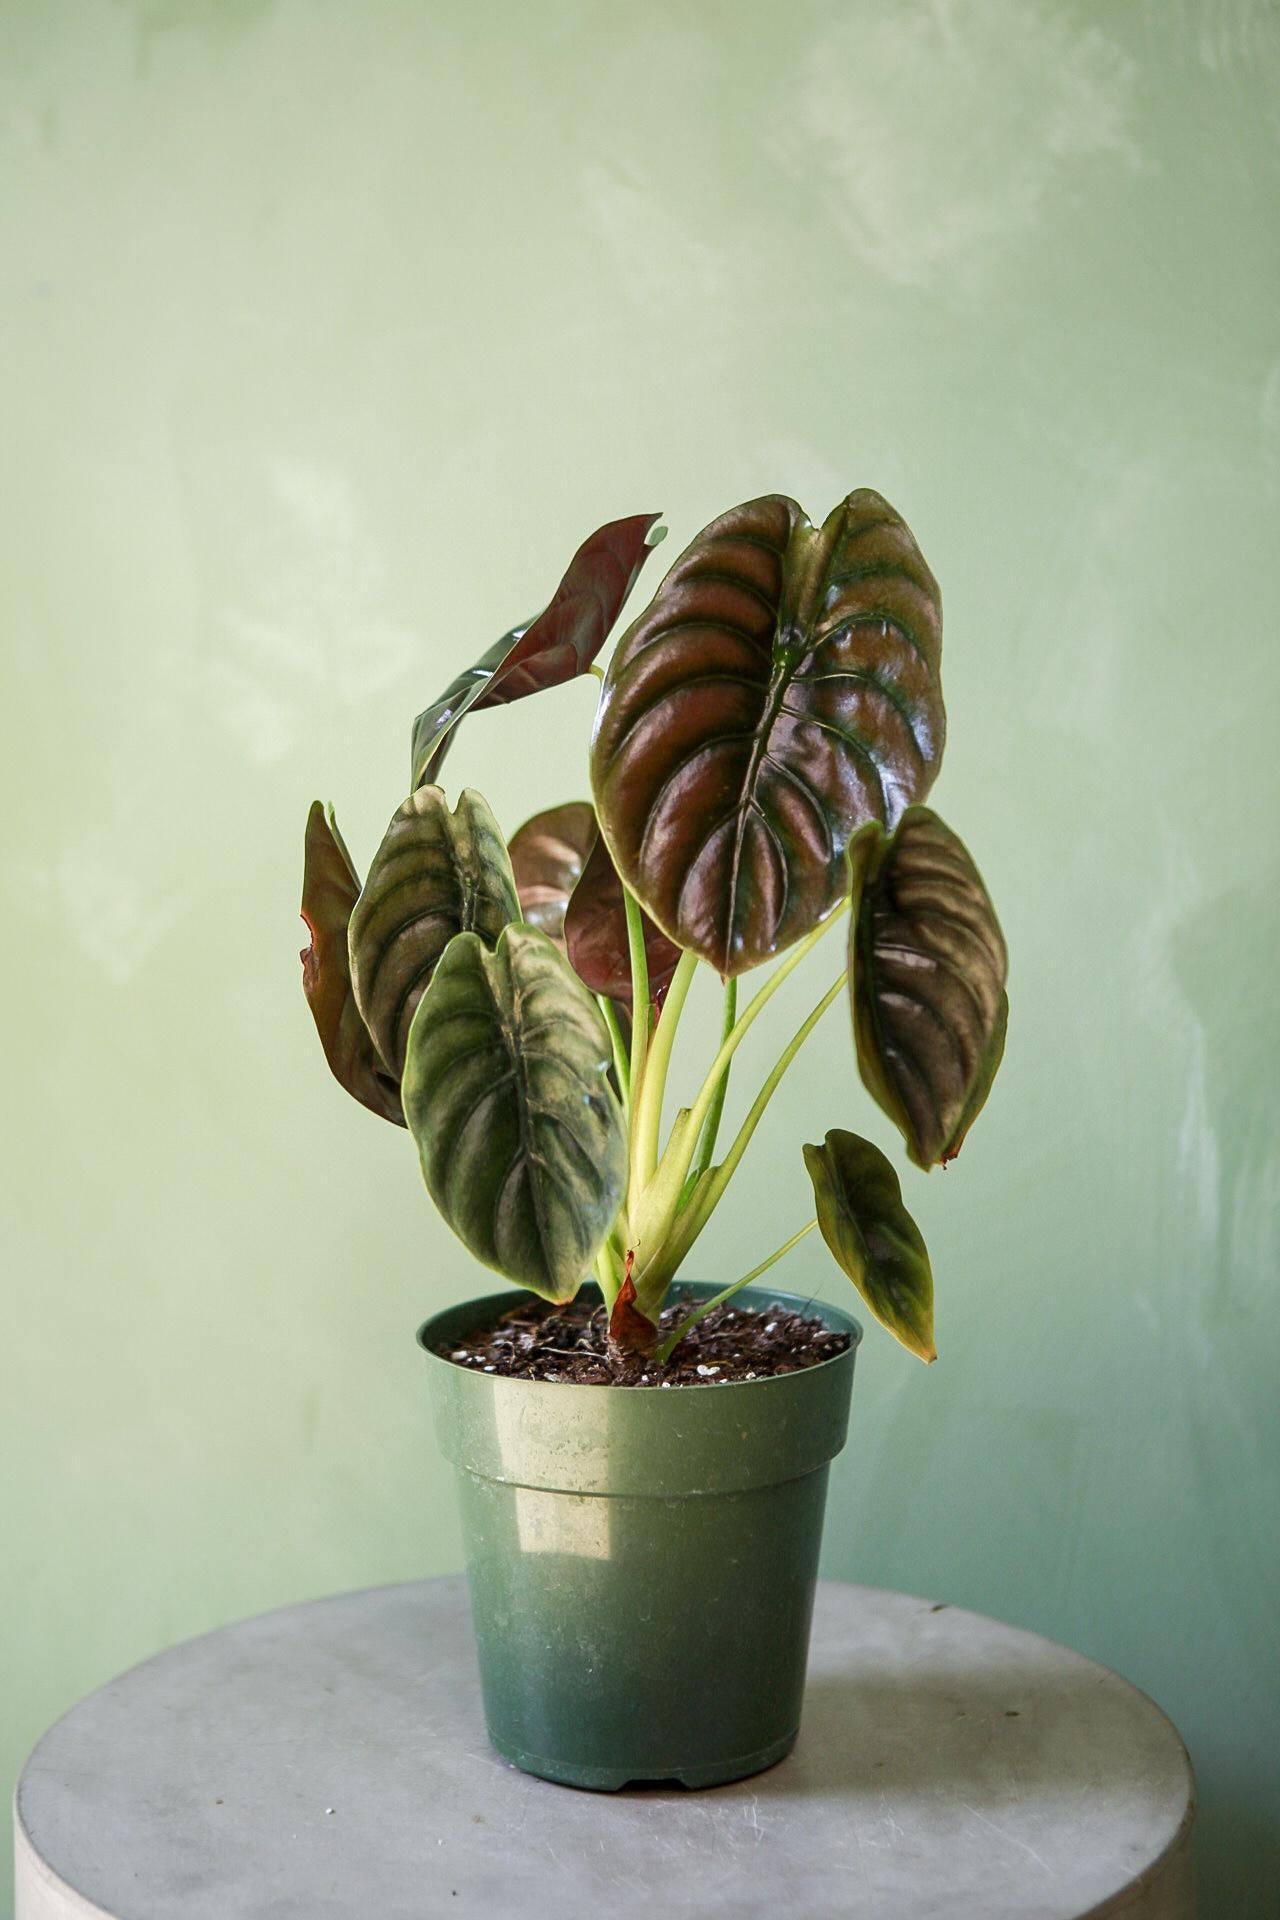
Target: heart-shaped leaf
(595, 930)
(927, 972)
(547, 858)
(781, 689)
(873, 1237)
(436, 874)
(522, 1140)
(329, 891)
(561, 643)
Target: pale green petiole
(677, 1241)
(664, 1352)
(751, 1013)
(621, 1062)
(639, 995)
(648, 1119)
(606, 1274)
(707, 1140)
(672, 1173)
(724, 1172)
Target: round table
(329, 1762)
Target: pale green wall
(326, 333)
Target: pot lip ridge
(508, 1296)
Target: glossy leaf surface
(329, 892)
(548, 855)
(522, 1140)
(782, 689)
(863, 1220)
(927, 972)
(436, 874)
(561, 643)
(596, 934)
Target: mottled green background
(326, 333)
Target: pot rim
(508, 1296)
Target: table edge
(31, 1866)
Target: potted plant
(642, 1561)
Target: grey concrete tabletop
(329, 1762)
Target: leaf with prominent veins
(522, 1141)
(595, 931)
(548, 855)
(927, 974)
(436, 874)
(781, 689)
(873, 1237)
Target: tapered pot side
(641, 1560)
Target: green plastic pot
(641, 1560)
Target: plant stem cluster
(674, 1188)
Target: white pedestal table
(329, 1762)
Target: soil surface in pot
(536, 1342)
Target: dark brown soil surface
(536, 1342)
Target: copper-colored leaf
(927, 973)
(782, 688)
(329, 892)
(632, 1335)
(547, 857)
(863, 1220)
(595, 929)
(560, 644)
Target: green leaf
(547, 858)
(560, 644)
(782, 689)
(522, 1141)
(436, 874)
(873, 1237)
(329, 891)
(595, 931)
(927, 973)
